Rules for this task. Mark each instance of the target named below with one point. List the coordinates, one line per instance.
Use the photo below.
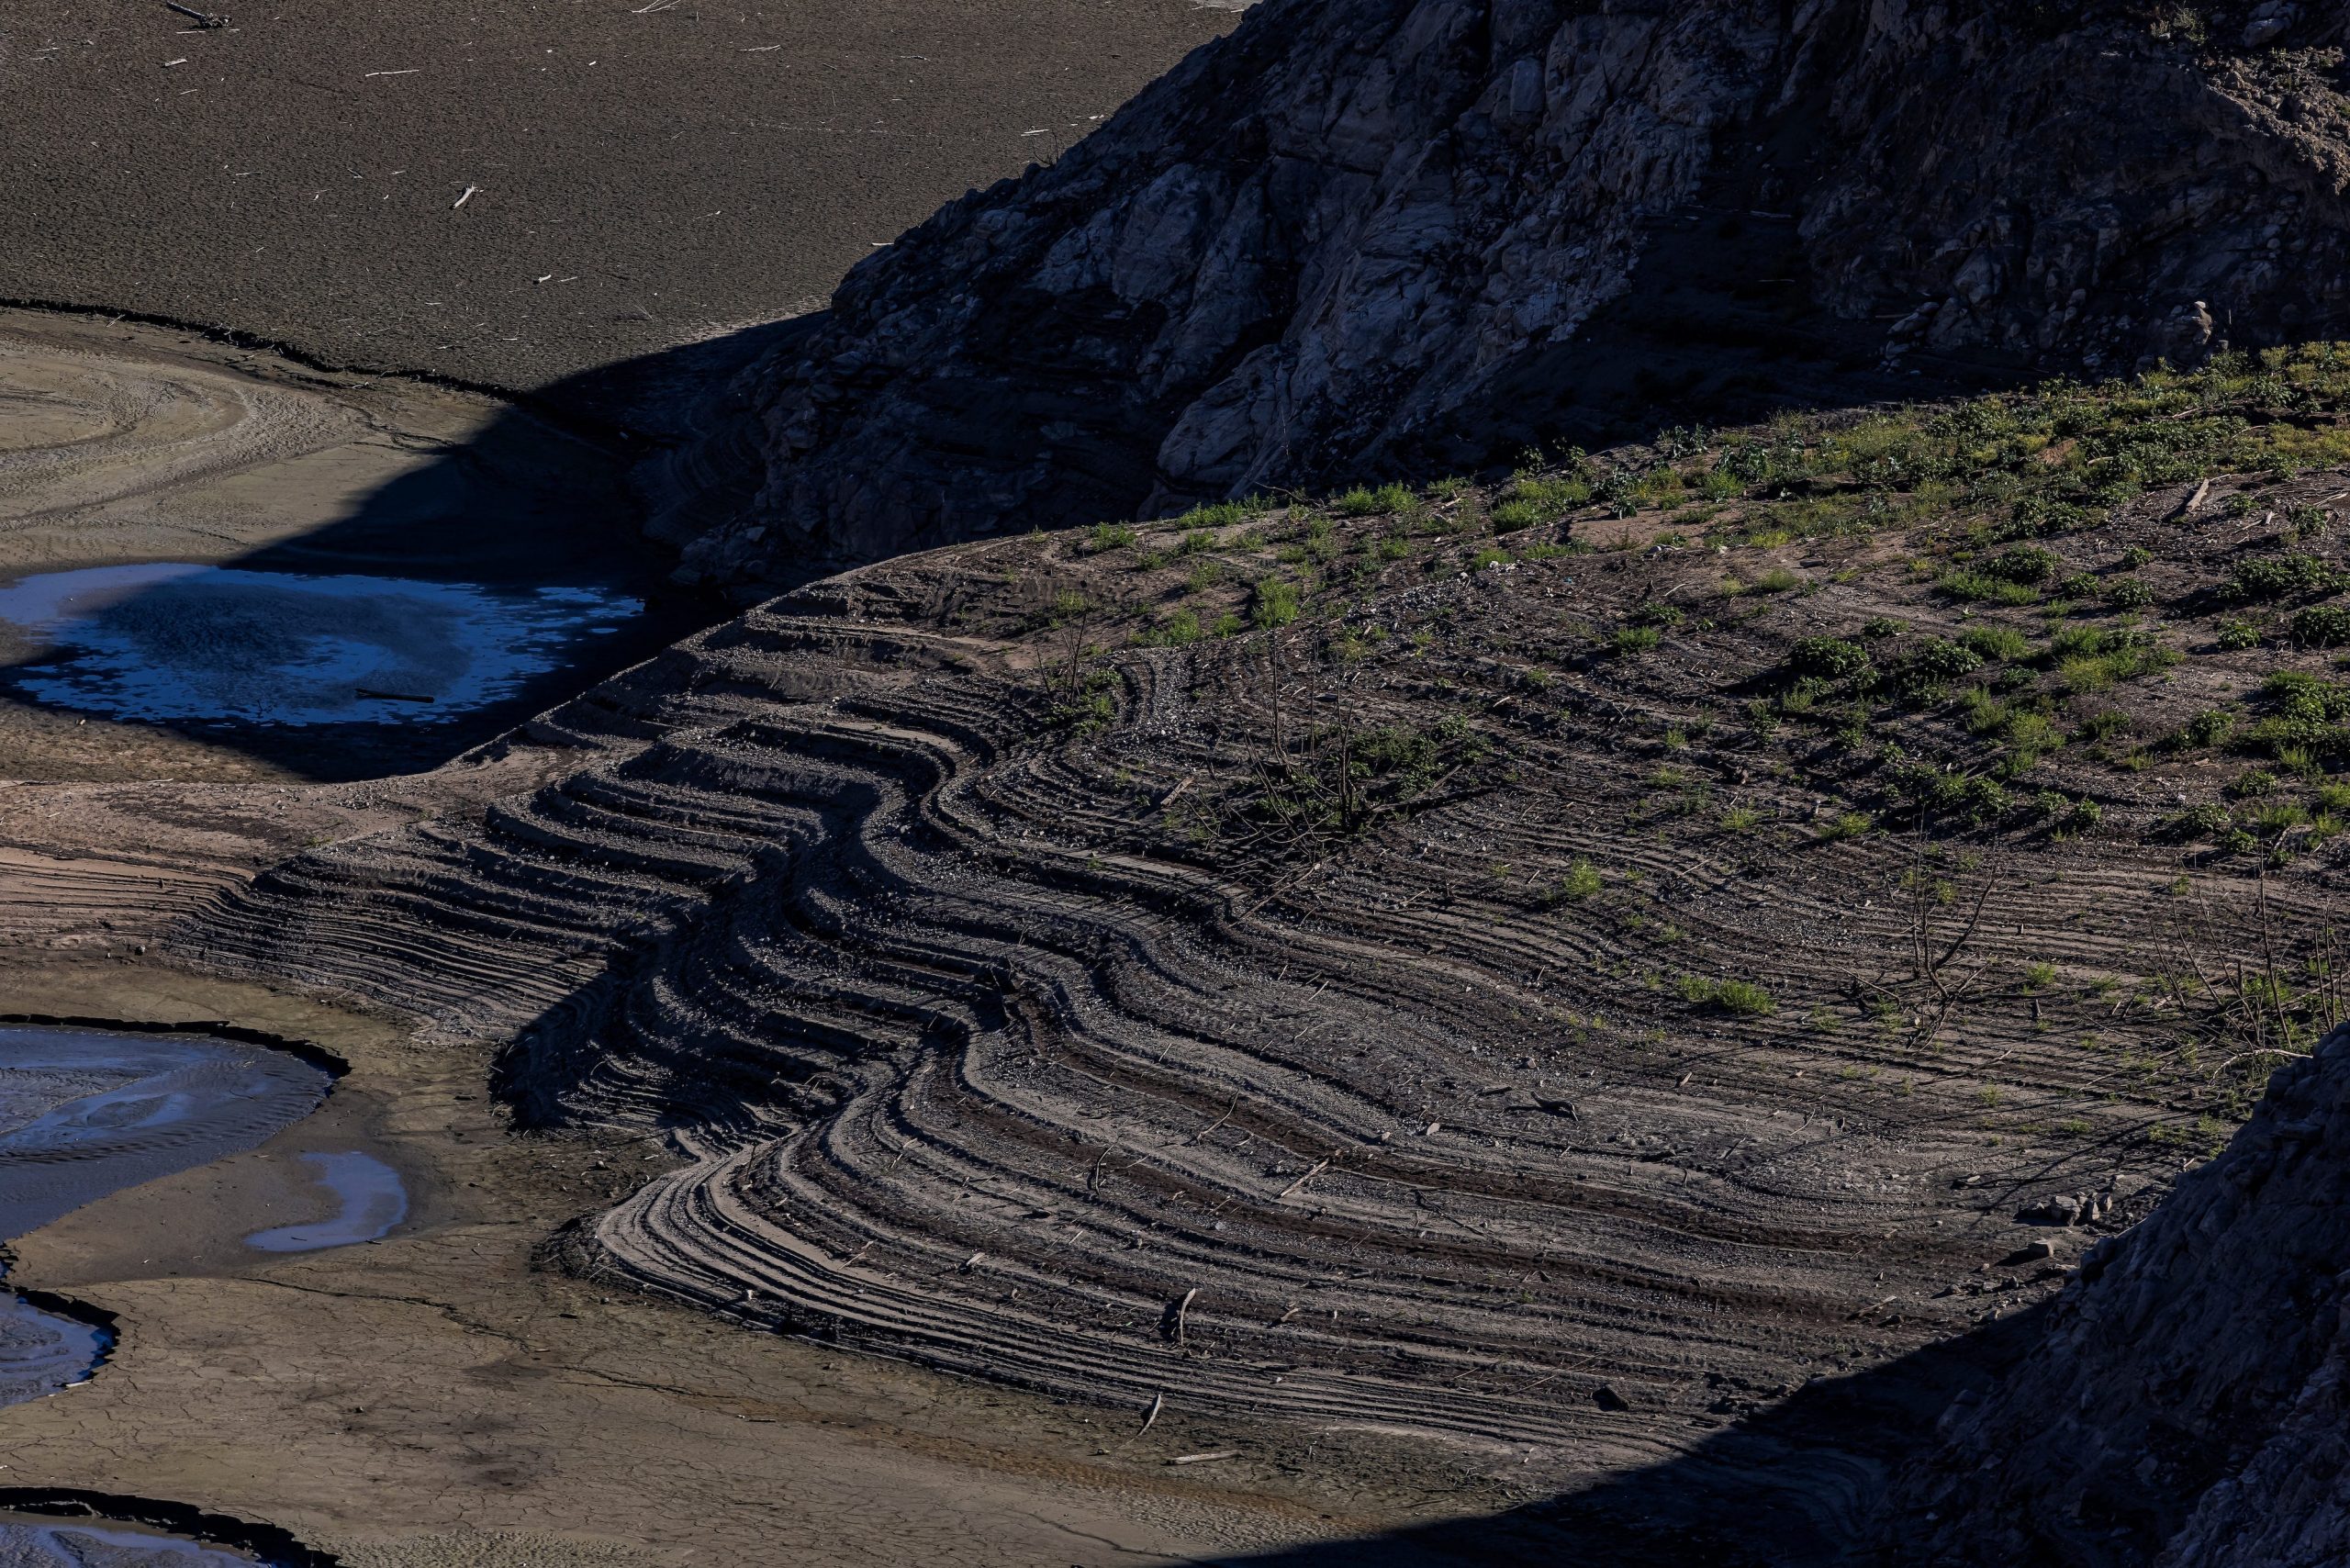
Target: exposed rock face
(1393, 235)
(2191, 1402)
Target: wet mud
(84, 1113)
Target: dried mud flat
(643, 174)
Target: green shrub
(2080, 585)
(1109, 536)
(1827, 658)
(2283, 576)
(2208, 821)
(2097, 726)
(1984, 714)
(1582, 882)
(1380, 502)
(1635, 639)
(2323, 626)
(2128, 593)
(1996, 644)
(1740, 998)
(2207, 729)
(2074, 641)
(1273, 603)
(2307, 714)
(2237, 636)
(1933, 664)
(1777, 579)
(1223, 514)
(1881, 626)
(1511, 516)
(2025, 564)
(1976, 588)
(1179, 630)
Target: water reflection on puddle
(33, 1542)
(370, 1200)
(83, 1113)
(170, 641)
(42, 1351)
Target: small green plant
(1979, 587)
(2283, 576)
(1273, 603)
(1827, 658)
(1996, 644)
(1843, 825)
(2039, 975)
(1740, 999)
(2098, 725)
(2025, 564)
(1383, 501)
(2236, 635)
(1582, 882)
(1629, 640)
(1741, 820)
(1777, 579)
(2128, 593)
(2207, 729)
(1109, 536)
(2323, 626)
(1179, 630)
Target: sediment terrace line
(983, 1068)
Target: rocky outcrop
(1398, 235)
(2190, 1403)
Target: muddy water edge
(216, 563)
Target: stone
(2270, 23)
(1418, 236)
(2184, 1401)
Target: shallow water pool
(27, 1541)
(83, 1113)
(369, 1201)
(174, 641)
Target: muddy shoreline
(137, 446)
(539, 1408)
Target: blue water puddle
(43, 1351)
(174, 641)
(85, 1113)
(37, 1543)
(370, 1200)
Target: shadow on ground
(507, 564)
(1799, 1484)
